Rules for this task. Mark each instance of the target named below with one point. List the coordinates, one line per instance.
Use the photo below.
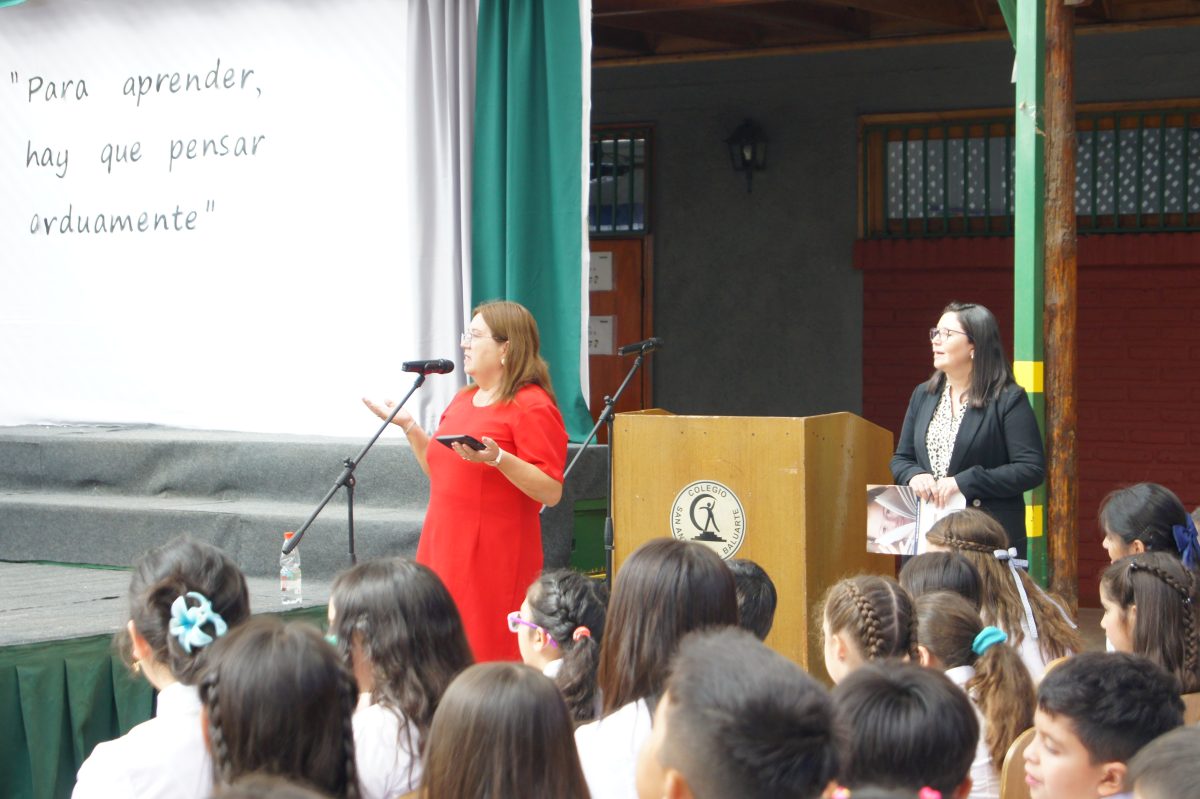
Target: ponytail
(1002, 689)
(572, 607)
(183, 595)
(1004, 693)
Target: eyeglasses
(944, 333)
(468, 338)
(515, 621)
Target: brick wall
(1138, 358)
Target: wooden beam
(611, 8)
(951, 13)
(706, 28)
(844, 22)
(1061, 303)
(924, 40)
(623, 40)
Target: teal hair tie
(986, 638)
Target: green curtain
(527, 195)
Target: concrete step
(115, 530)
(104, 494)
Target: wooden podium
(791, 490)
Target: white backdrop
(303, 282)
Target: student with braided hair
(559, 629)
(1151, 608)
(866, 618)
(277, 700)
(182, 597)
(400, 634)
(954, 640)
(1034, 620)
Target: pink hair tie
(840, 793)
(584, 632)
(929, 793)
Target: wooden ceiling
(639, 31)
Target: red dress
(482, 534)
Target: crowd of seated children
(660, 693)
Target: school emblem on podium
(709, 513)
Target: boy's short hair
(906, 726)
(744, 721)
(756, 597)
(1168, 767)
(1116, 702)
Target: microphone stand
(606, 418)
(346, 479)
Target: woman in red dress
(482, 532)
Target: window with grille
(1136, 170)
(619, 181)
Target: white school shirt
(163, 757)
(382, 754)
(608, 751)
(552, 668)
(985, 782)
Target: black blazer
(997, 454)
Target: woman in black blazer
(969, 428)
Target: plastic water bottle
(289, 574)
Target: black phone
(469, 441)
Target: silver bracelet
(499, 455)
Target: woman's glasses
(944, 333)
(515, 621)
(468, 338)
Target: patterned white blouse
(943, 429)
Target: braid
(349, 701)
(210, 696)
(914, 655)
(1191, 657)
(868, 622)
(950, 539)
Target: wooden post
(1029, 236)
(1061, 303)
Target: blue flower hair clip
(187, 621)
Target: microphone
(649, 345)
(439, 366)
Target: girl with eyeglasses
(398, 632)
(559, 629)
(482, 531)
(969, 429)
